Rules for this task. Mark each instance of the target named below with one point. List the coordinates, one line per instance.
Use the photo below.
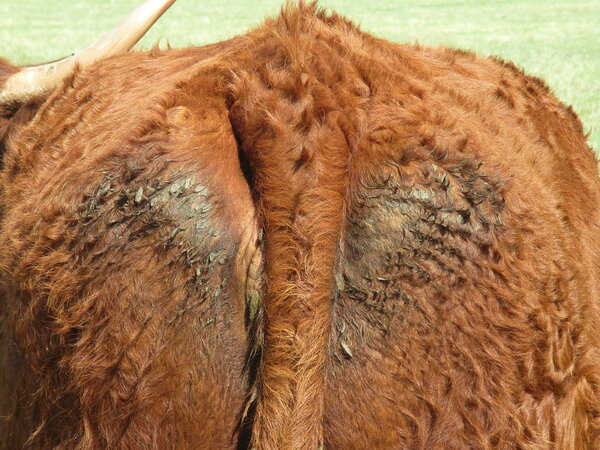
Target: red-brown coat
(303, 237)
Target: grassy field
(558, 41)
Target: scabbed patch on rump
(304, 236)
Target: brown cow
(302, 237)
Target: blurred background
(558, 41)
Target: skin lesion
(408, 237)
(404, 224)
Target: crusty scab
(176, 209)
(404, 230)
(179, 213)
(304, 237)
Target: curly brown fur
(9, 114)
(428, 275)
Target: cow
(302, 237)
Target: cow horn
(35, 81)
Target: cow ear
(13, 114)
(6, 71)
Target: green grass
(558, 41)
